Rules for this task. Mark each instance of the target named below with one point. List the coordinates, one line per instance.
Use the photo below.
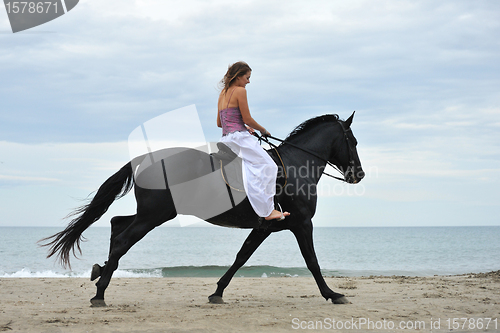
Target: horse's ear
(348, 122)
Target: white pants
(259, 171)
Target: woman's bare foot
(277, 215)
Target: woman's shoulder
(240, 91)
(232, 91)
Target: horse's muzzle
(355, 177)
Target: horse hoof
(97, 303)
(215, 299)
(96, 272)
(341, 300)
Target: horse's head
(344, 153)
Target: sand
(396, 304)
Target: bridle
(350, 168)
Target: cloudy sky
(423, 77)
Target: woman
(237, 124)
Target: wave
(176, 271)
(274, 271)
(215, 271)
(27, 273)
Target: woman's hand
(250, 129)
(265, 132)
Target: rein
(266, 140)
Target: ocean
(209, 251)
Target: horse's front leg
(304, 236)
(254, 239)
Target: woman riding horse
(233, 116)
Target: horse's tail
(64, 242)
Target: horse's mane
(306, 125)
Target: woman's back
(229, 99)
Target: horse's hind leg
(251, 244)
(120, 245)
(118, 225)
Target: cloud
(41, 183)
(68, 164)
(134, 60)
(27, 179)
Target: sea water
(209, 251)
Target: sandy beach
(396, 304)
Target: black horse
(304, 154)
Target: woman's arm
(218, 113)
(218, 119)
(241, 96)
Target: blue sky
(423, 77)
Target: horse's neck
(318, 142)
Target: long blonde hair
(234, 71)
